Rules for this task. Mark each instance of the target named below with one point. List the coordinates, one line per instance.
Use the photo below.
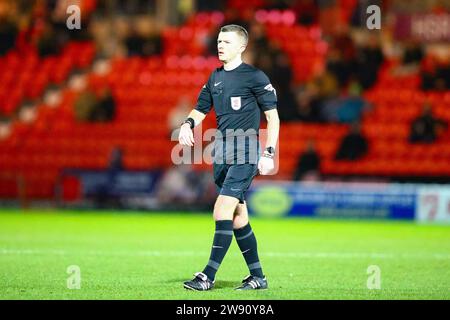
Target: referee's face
(229, 46)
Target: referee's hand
(265, 165)
(186, 136)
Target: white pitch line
(315, 255)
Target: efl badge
(236, 103)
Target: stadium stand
(145, 89)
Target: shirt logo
(236, 103)
(270, 88)
(217, 83)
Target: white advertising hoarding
(433, 204)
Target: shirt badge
(236, 103)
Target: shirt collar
(233, 64)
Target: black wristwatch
(190, 121)
(269, 152)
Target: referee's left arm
(273, 128)
(266, 96)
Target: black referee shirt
(238, 97)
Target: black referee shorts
(234, 179)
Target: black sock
(247, 243)
(222, 240)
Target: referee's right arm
(196, 116)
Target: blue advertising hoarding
(338, 200)
(115, 183)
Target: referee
(238, 92)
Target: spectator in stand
(308, 106)
(47, 43)
(134, 43)
(346, 62)
(85, 105)
(426, 128)
(327, 90)
(282, 73)
(327, 84)
(95, 107)
(352, 104)
(281, 76)
(413, 53)
(308, 163)
(105, 108)
(344, 44)
(353, 145)
(337, 66)
(442, 82)
(152, 44)
(8, 33)
(435, 74)
(369, 59)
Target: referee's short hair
(238, 29)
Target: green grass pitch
(125, 255)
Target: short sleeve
(265, 93)
(204, 100)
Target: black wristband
(190, 121)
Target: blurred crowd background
(356, 104)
